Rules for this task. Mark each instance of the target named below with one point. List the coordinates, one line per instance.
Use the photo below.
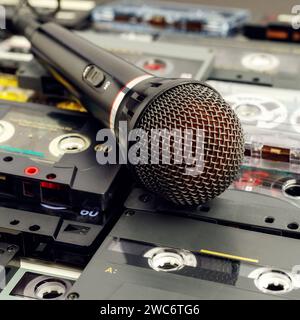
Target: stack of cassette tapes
(271, 122)
(52, 190)
(157, 17)
(73, 229)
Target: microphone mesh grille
(193, 105)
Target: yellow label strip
(229, 256)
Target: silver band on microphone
(120, 96)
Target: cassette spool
(164, 17)
(48, 163)
(34, 280)
(270, 118)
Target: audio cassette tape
(158, 17)
(270, 118)
(275, 27)
(283, 185)
(162, 60)
(48, 163)
(35, 280)
(254, 62)
(207, 261)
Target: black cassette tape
(194, 254)
(57, 202)
(48, 163)
(251, 62)
(35, 280)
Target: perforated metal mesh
(193, 105)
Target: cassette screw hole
(34, 227)
(239, 76)
(51, 176)
(14, 222)
(8, 159)
(293, 226)
(2, 251)
(73, 296)
(256, 79)
(129, 213)
(269, 219)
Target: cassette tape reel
(261, 111)
(260, 62)
(35, 280)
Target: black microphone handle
(96, 77)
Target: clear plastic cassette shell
(164, 17)
(262, 179)
(270, 118)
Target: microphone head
(191, 105)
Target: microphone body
(114, 90)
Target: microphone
(114, 90)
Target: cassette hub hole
(248, 111)
(72, 144)
(292, 189)
(274, 281)
(69, 143)
(167, 261)
(50, 289)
